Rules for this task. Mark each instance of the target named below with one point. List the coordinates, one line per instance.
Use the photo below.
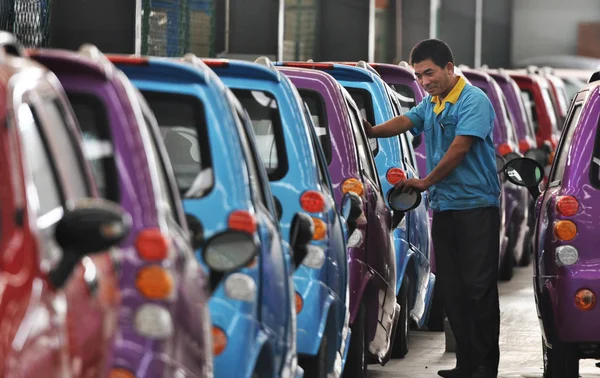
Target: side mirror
(352, 209)
(500, 163)
(525, 172)
(93, 225)
(196, 231)
(404, 202)
(229, 250)
(301, 233)
(416, 142)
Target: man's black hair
(438, 51)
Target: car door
(32, 314)
(274, 314)
(380, 253)
(92, 289)
(336, 261)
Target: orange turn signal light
(320, 229)
(299, 303)
(219, 340)
(353, 185)
(154, 282)
(565, 230)
(120, 373)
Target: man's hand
(413, 184)
(368, 128)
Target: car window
(37, 159)
(158, 162)
(361, 144)
(565, 145)
(406, 96)
(67, 157)
(263, 109)
(322, 169)
(364, 102)
(550, 108)
(394, 101)
(182, 123)
(257, 189)
(97, 142)
(318, 112)
(530, 108)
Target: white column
(478, 32)
(371, 50)
(280, 30)
(138, 28)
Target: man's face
(433, 78)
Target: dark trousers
(466, 244)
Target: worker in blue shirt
(457, 120)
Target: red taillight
(316, 66)
(241, 220)
(567, 206)
(504, 149)
(524, 146)
(130, 60)
(312, 201)
(152, 245)
(395, 175)
(216, 63)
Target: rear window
(318, 111)
(97, 142)
(263, 109)
(182, 123)
(364, 102)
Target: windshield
(263, 109)
(183, 128)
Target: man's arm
(453, 157)
(394, 126)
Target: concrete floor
(520, 341)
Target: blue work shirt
(466, 110)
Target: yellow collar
(452, 96)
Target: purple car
(514, 230)
(566, 270)
(373, 308)
(164, 322)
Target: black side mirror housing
(196, 231)
(301, 233)
(525, 172)
(91, 226)
(352, 209)
(416, 142)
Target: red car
(58, 286)
(535, 91)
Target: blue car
(395, 160)
(300, 182)
(226, 192)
